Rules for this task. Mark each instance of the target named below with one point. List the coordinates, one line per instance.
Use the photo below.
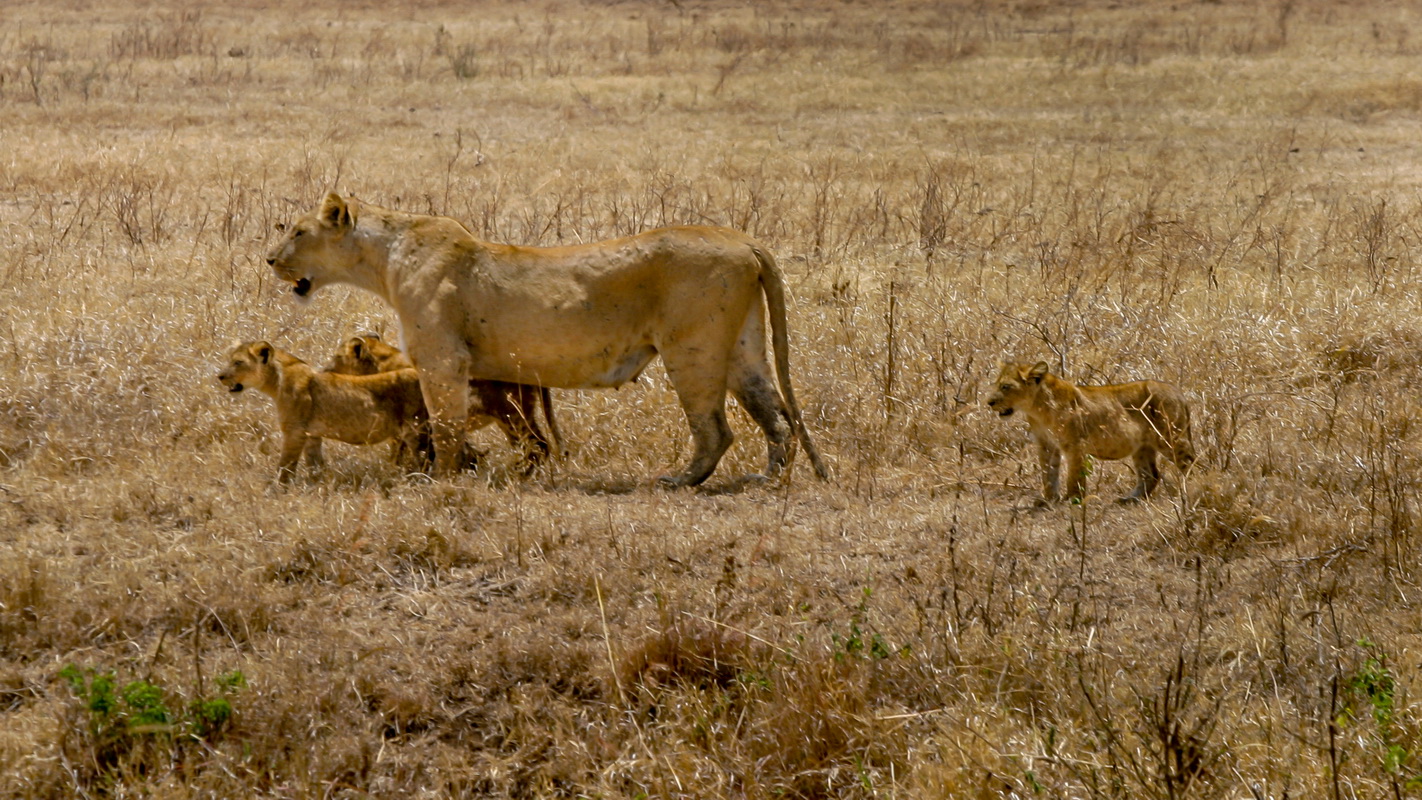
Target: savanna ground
(1220, 195)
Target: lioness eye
(1006, 387)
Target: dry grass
(1221, 195)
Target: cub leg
(1147, 474)
(512, 406)
(411, 449)
(314, 458)
(293, 444)
(1075, 473)
(1050, 457)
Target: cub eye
(297, 233)
(1006, 387)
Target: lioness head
(314, 248)
(249, 364)
(1017, 386)
(363, 355)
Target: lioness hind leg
(710, 438)
(699, 375)
(759, 397)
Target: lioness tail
(773, 284)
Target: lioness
(586, 316)
(312, 405)
(508, 404)
(1122, 420)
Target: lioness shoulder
(1126, 420)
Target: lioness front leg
(447, 398)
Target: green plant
(859, 641)
(1377, 686)
(136, 727)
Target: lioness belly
(603, 369)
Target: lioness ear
(262, 351)
(1038, 371)
(335, 213)
(356, 346)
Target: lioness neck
(377, 231)
(389, 241)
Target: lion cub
(508, 404)
(312, 405)
(1135, 420)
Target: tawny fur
(510, 405)
(313, 405)
(587, 316)
(1069, 422)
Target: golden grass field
(1222, 195)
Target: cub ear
(335, 213)
(356, 347)
(1038, 371)
(262, 351)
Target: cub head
(249, 364)
(1017, 387)
(315, 249)
(367, 355)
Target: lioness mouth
(302, 287)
